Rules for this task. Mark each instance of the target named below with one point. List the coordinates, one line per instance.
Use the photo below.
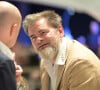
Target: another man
(10, 21)
(66, 64)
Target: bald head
(8, 13)
(10, 21)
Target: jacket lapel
(45, 81)
(59, 75)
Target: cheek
(34, 46)
(55, 40)
(54, 36)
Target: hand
(19, 71)
(18, 68)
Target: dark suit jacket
(7, 73)
(81, 70)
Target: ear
(13, 29)
(61, 30)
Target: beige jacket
(80, 72)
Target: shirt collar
(4, 49)
(61, 57)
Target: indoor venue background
(79, 26)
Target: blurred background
(81, 21)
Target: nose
(39, 40)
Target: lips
(43, 46)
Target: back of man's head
(10, 20)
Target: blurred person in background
(10, 21)
(66, 64)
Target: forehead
(39, 24)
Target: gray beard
(48, 53)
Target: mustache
(42, 45)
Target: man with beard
(66, 64)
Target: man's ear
(13, 29)
(61, 30)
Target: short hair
(51, 16)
